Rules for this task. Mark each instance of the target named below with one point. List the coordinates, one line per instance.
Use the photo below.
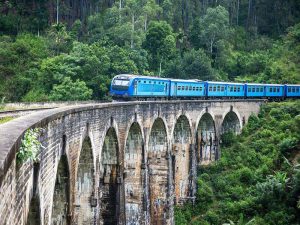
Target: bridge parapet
(143, 157)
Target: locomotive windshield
(120, 84)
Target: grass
(5, 119)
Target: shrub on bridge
(30, 146)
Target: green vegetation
(42, 59)
(30, 146)
(257, 179)
(5, 119)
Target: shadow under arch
(231, 123)
(181, 146)
(85, 185)
(34, 214)
(157, 160)
(109, 172)
(133, 175)
(206, 140)
(61, 196)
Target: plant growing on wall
(30, 146)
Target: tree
(70, 91)
(210, 29)
(194, 64)
(160, 43)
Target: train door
(135, 87)
(175, 89)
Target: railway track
(21, 112)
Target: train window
(222, 88)
(178, 88)
(214, 88)
(238, 89)
(278, 89)
(139, 81)
(253, 89)
(194, 88)
(293, 89)
(249, 89)
(200, 88)
(190, 88)
(218, 88)
(261, 89)
(271, 89)
(298, 89)
(289, 89)
(154, 82)
(144, 82)
(234, 89)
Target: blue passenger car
(224, 89)
(235, 90)
(274, 90)
(292, 90)
(187, 88)
(255, 90)
(215, 89)
(150, 87)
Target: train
(138, 87)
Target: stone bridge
(112, 163)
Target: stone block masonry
(113, 163)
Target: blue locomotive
(126, 86)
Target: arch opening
(133, 178)
(158, 172)
(60, 209)
(231, 123)
(206, 140)
(34, 208)
(181, 159)
(109, 171)
(34, 212)
(84, 186)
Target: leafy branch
(30, 146)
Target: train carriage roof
(224, 83)
(256, 84)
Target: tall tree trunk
(237, 12)
(57, 10)
(132, 31)
(249, 13)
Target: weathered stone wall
(133, 174)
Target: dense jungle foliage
(257, 179)
(70, 50)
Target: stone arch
(109, 172)
(61, 196)
(231, 122)
(181, 142)
(157, 157)
(133, 178)
(85, 201)
(206, 139)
